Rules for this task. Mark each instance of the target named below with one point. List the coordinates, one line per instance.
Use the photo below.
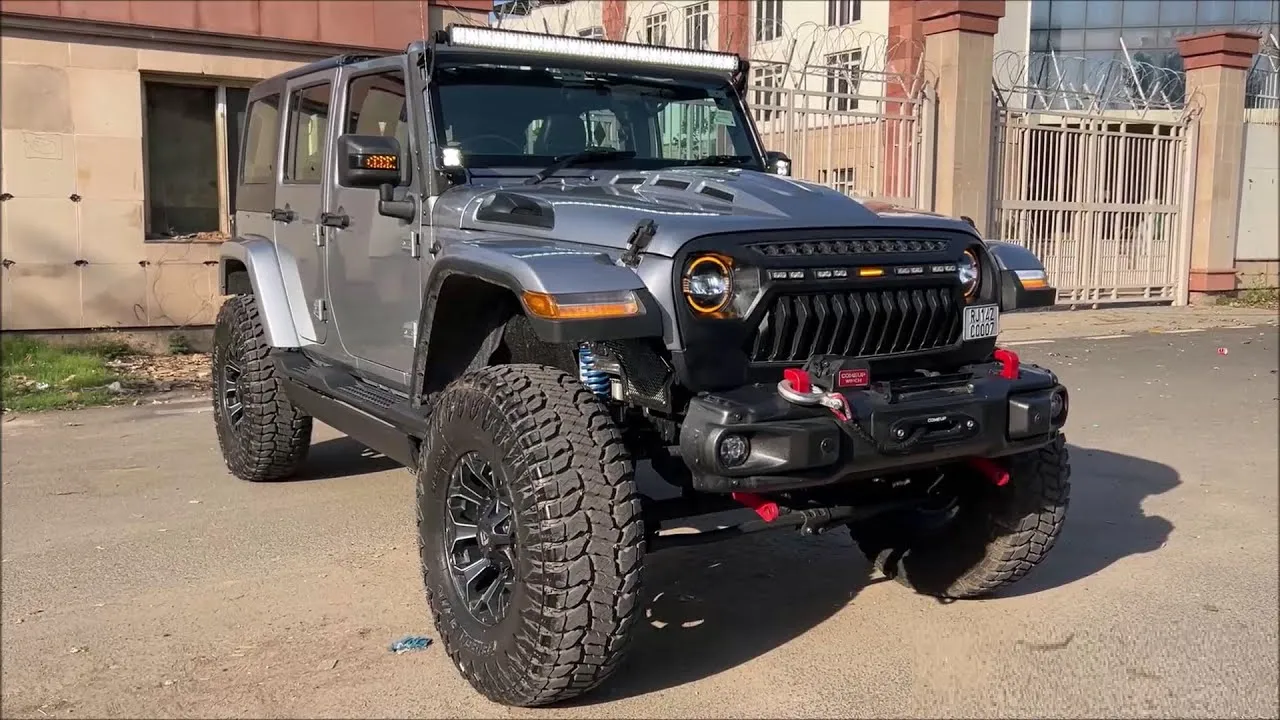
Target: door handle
(335, 220)
(283, 215)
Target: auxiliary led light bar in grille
(537, 43)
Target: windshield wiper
(577, 158)
(723, 160)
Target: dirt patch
(163, 373)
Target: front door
(301, 198)
(373, 267)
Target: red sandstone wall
(388, 24)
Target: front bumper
(971, 413)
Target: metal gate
(846, 112)
(1093, 166)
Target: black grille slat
(916, 335)
(864, 323)
(884, 345)
(804, 326)
(782, 324)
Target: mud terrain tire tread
(273, 437)
(578, 524)
(985, 550)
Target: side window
(260, 144)
(376, 106)
(308, 134)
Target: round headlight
(970, 273)
(708, 284)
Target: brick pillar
(959, 45)
(1217, 64)
(733, 27)
(615, 19)
(903, 63)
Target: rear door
(301, 198)
(373, 261)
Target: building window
(844, 71)
(767, 102)
(768, 19)
(655, 29)
(697, 26)
(192, 138)
(839, 179)
(308, 123)
(595, 32)
(843, 12)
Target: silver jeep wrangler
(520, 265)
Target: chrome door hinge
(411, 332)
(412, 244)
(320, 235)
(320, 309)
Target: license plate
(981, 321)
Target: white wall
(1258, 234)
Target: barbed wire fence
(1262, 85)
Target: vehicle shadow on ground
(1105, 520)
(712, 608)
(342, 457)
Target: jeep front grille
(857, 324)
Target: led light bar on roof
(539, 44)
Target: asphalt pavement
(141, 580)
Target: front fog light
(733, 450)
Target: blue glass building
(1096, 29)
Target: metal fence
(851, 110)
(1262, 85)
(1093, 166)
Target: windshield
(527, 117)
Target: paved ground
(140, 580)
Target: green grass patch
(35, 375)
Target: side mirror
(368, 161)
(1024, 284)
(374, 162)
(777, 163)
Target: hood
(683, 202)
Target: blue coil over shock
(597, 381)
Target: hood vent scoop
(716, 193)
(513, 209)
(632, 180)
(671, 183)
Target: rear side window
(308, 134)
(261, 141)
(260, 146)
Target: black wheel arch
(472, 316)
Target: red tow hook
(799, 380)
(993, 472)
(1009, 362)
(766, 509)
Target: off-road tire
(997, 537)
(272, 437)
(578, 533)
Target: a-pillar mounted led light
(552, 45)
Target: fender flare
(490, 322)
(256, 255)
